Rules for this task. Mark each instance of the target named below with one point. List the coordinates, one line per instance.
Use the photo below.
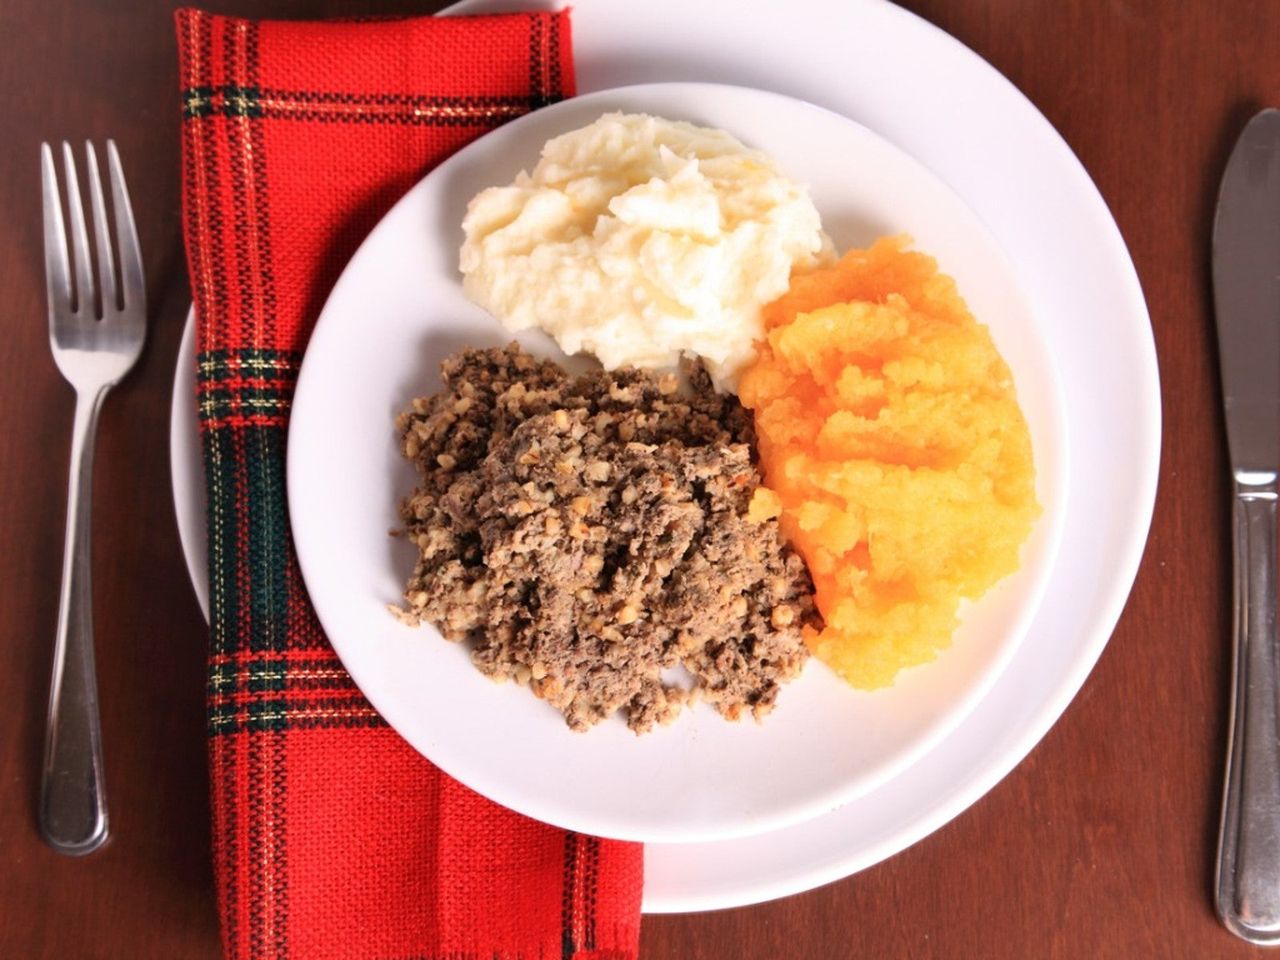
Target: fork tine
(56, 269)
(79, 236)
(132, 282)
(102, 236)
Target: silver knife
(1246, 295)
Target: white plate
(398, 311)
(951, 110)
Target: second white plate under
(926, 92)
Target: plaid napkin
(332, 837)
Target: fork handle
(1248, 883)
(73, 803)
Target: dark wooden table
(1100, 844)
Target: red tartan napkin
(333, 838)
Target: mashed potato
(899, 460)
(638, 239)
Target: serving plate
(398, 310)
(976, 131)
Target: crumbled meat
(584, 534)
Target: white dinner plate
(930, 95)
(398, 311)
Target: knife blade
(1246, 289)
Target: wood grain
(1100, 845)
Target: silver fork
(96, 334)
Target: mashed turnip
(896, 453)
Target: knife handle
(1248, 884)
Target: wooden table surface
(1099, 845)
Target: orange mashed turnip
(894, 451)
